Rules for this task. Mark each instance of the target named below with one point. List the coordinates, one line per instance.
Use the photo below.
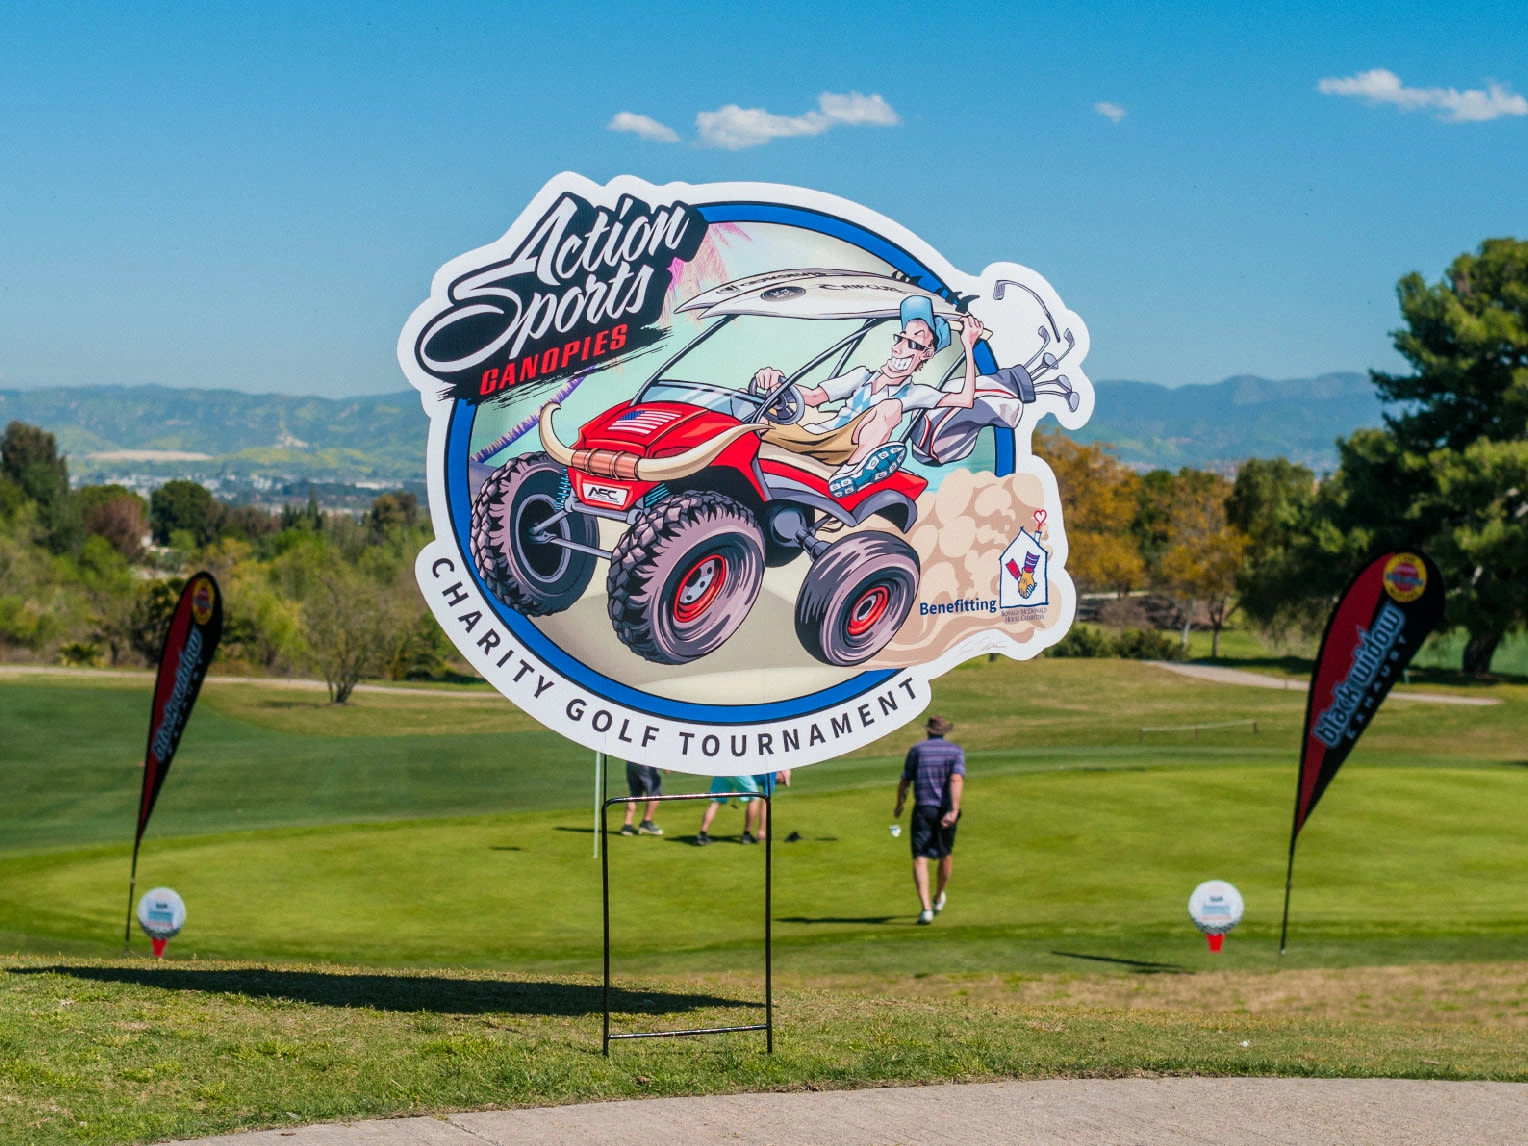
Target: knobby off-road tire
(534, 578)
(856, 597)
(684, 576)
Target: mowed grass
(443, 830)
(1055, 869)
(1082, 839)
(114, 1052)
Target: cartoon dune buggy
(706, 505)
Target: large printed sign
(722, 476)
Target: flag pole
(599, 794)
(132, 886)
(1289, 871)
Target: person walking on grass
(723, 788)
(936, 772)
(755, 811)
(642, 780)
(766, 782)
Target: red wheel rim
(868, 609)
(700, 588)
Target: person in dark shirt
(936, 772)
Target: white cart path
(1221, 675)
(1063, 1112)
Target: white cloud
(1381, 85)
(644, 126)
(734, 128)
(857, 110)
(1109, 110)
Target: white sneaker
(939, 904)
(925, 916)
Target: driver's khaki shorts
(834, 447)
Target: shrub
(1083, 641)
(1148, 645)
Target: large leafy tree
(1466, 338)
(1270, 503)
(1450, 469)
(1204, 551)
(1455, 476)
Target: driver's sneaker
(628, 830)
(879, 464)
(925, 917)
(648, 828)
(939, 903)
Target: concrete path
(1124, 1112)
(1221, 675)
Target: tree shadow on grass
(434, 993)
(1144, 966)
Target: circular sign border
(459, 502)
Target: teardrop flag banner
(192, 638)
(1380, 622)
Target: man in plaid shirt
(936, 772)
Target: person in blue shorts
(723, 788)
(766, 782)
(936, 772)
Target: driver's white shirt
(856, 389)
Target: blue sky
(257, 199)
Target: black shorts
(930, 839)
(643, 780)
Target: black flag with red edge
(1379, 624)
(195, 627)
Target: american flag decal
(645, 421)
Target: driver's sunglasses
(911, 342)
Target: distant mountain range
(1216, 425)
(156, 431)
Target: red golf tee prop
(159, 945)
(1215, 942)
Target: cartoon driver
(857, 436)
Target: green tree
(1466, 338)
(348, 627)
(1451, 479)
(30, 459)
(1204, 551)
(392, 509)
(1270, 504)
(1447, 472)
(180, 506)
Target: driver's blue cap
(920, 306)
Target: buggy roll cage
(849, 343)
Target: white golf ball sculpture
(1215, 907)
(161, 914)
